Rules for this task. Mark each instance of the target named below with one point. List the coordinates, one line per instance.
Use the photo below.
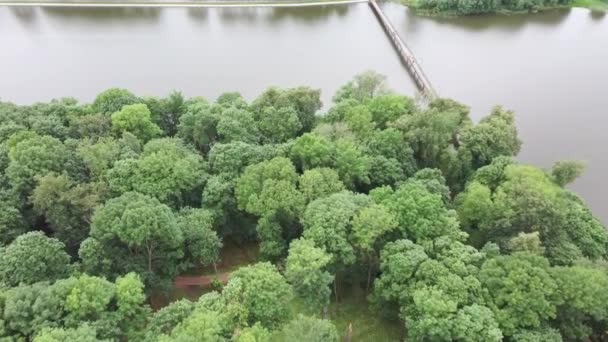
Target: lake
(549, 67)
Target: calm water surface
(56, 52)
(550, 68)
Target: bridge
(405, 53)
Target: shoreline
(157, 4)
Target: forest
(472, 7)
(446, 234)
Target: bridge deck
(407, 56)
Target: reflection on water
(305, 14)
(101, 14)
(202, 51)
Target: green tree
(93, 126)
(268, 189)
(363, 87)
(237, 125)
(304, 101)
(137, 233)
(265, 294)
(311, 150)
(566, 171)
(525, 199)
(166, 112)
(421, 215)
(388, 108)
(67, 207)
(306, 270)
(131, 309)
(370, 227)
(12, 223)
(112, 100)
(255, 333)
(303, 328)
(520, 291)
(167, 169)
(319, 182)
(278, 125)
(327, 222)
(527, 242)
(34, 157)
(202, 242)
(164, 320)
(495, 135)
(198, 126)
(33, 257)
(202, 325)
(99, 156)
(351, 164)
(83, 333)
(581, 312)
(435, 290)
(135, 119)
(17, 311)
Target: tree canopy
(374, 213)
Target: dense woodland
(103, 203)
(469, 7)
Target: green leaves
(520, 291)
(264, 292)
(167, 169)
(112, 100)
(33, 257)
(303, 328)
(136, 225)
(306, 271)
(135, 119)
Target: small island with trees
(378, 219)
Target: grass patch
(232, 256)
(158, 300)
(353, 309)
(594, 5)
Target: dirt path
(202, 281)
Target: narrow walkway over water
(406, 55)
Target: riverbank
(169, 3)
(593, 5)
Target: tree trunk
(369, 276)
(349, 333)
(215, 267)
(323, 312)
(336, 288)
(149, 248)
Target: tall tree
(520, 291)
(303, 328)
(371, 226)
(306, 270)
(67, 207)
(112, 100)
(268, 190)
(135, 119)
(137, 233)
(264, 292)
(33, 257)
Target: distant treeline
(469, 7)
